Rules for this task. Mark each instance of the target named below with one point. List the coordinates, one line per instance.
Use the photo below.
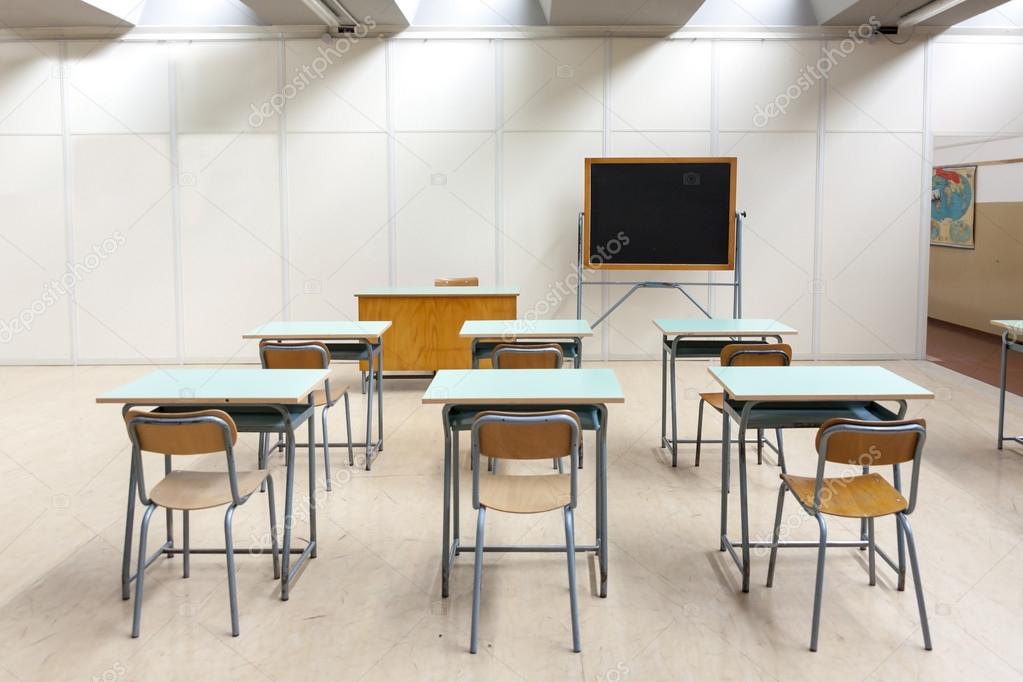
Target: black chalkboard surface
(660, 213)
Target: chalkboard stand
(735, 284)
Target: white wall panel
(877, 87)
(231, 241)
(443, 85)
(118, 87)
(660, 84)
(871, 244)
(777, 175)
(755, 74)
(337, 221)
(336, 89)
(543, 194)
(122, 214)
(976, 87)
(445, 201)
(32, 250)
(554, 84)
(223, 87)
(29, 88)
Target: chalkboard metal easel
(735, 284)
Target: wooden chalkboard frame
(730, 265)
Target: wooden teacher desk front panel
(425, 322)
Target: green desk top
(1015, 326)
(327, 330)
(211, 386)
(816, 382)
(439, 291)
(524, 387)
(525, 329)
(717, 327)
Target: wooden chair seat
(526, 494)
(715, 400)
(861, 497)
(189, 490)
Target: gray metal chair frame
(904, 531)
(508, 349)
(524, 420)
(264, 446)
(236, 501)
(760, 432)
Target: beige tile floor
(369, 606)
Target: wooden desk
(466, 393)
(259, 401)
(792, 398)
(426, 322)
(1012, 333)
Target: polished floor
(369, 607)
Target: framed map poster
(953, 206)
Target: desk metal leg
(289, 516)
(312, 483)
(726, 454)
(674, 407)
(129, 523)
(445, 561)
(578, 352)
(380, 394)
(602, 484)
(744, 507)
(1001, 389)
(370, 383)
(664, 391)
(456, 475)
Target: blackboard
(660, 213)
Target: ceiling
(664, 14)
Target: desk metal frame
(593, 418)
(788, 415)
(373, 353)
(1009, 342)
(269, 418)
(687, 346)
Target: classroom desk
(346, 340)
(466, 393)
(259, 401)
(426, 320)
(487, 334)
(797, 397)
(703, 338)
(1012, 331)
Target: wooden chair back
(527, 356)
(756, 355)
(456, 282)
(182, 433)
(871, 443)
(527, 435)
(300, 355)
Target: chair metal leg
(760, 446)
(326, 448)
(818, 590)
(900, 538)
(348, 424)
(872, 553)
(185, 555)
(232, 586)
(776, 534)
(699, 431)
(574, 601)
(903, 521)
(280, 442)
(136, 621)
(557, 465)
(274, 547)
(477, 581)
(129, 523)
(781, 450)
